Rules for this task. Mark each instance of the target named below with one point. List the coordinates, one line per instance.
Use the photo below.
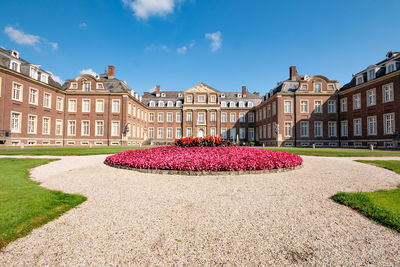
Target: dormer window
(390, 67)
(44, 78)
(331, 87)
(232, 104)
(179, 104)
(213, 98)
(180, 95)
(162, 94)
(152, 104)
(99, 86)
(317, 87)
(222, 95)
(239, 95)
(189, 99)
(359, 80)
(223, 104)
(371, 74)
(15, 53)
(34, 73)
(304, 87)
(241, 104)
(161, 104)
(170, 104)
(15, 66)
(73, 86)
(250, 104)
(86, 86)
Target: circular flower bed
(204, 159)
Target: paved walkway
(150, 219)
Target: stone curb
(198, 173)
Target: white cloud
(216, 40)
(192, 43)
(143, 9)
(83, 25)
(57, 79)
(88, 71)
(154, 47)
(182, 50)
(20, 37)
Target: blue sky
(179, 43)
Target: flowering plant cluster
(208, 141)
(204, 159)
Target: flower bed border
(199, 173)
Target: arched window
(241, 104)
(223, 104)
(161, 103)
(179, 104)
(232, 104)
(152, 104)
(250, 104)
(170, 104)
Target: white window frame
(83, 128)
(34, 124)
(307, 128)
(385, 129)
(330, 123)
(69, 132)
(287, 106)
(12, 126)
(331, 104)
(357, 103)
(384, 87)
(69, 105)
(21, 92)
(114, 101)
(113, 131)
(59, 124)
(98, 110)
(319, 111)
(372, 131)
(36, 102)
(354, 127)
(344, 125)
(371, 92)
(48, 128)
(83, 106)
(321, 134)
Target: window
(178, 133)
(151, 133)
(241, 104)
(288, 106)
(44, 78)
(269, 130)
(318, 129)
(232, 133)
(250, 116)
(268, 111)
(71, 127)
(161, 104)
(304, 129)
(99, 105)
(169, 117)
(344, 128)
(371, 97)
(223, 117)
(357, 127)
(59, 103)
(288, 129)
(189, 99)
(170, 104)
(17, 92)
(189, 116)
(201, 117)
(304, 106)
(233, 117)
(213, 98)
(275, 129)
(390, 67)
(151, 117)
(331, 106)
(33, 96)
(169, 133)
(388, 120)
(160, 117)
(222, 95)
(343, 104)
(115, 128)
(357, 101)
(251, 134)
(359, 80)
(224, 133)
(152, 104)
(273, 108)
(46, 125)
(371, 125)
(72, 105)
(242, 133)
(304, 87)
(99, 86)
(232, 104)
(73, 86)
(318, 106)
(179, 104)
(178, 117)
(317, 87)
(85, 128)
(332, 129)
(15, 66)
(201, 98)
(213, 117)
(115, 106)
(241, 117)
(371, 74)
(331, 87)
(15, 122)
(129, 108)
(85, 105)
(223, 104)
(250, 104)
(32, 119)
(47, 100)
(86, 86)
(213, 131)
(264, 113)
(388, 93)
(59, 127)
(160, 133)
(188, 131)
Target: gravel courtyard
(151, 219)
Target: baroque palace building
(103, 111)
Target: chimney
(292, 73)
(157, 90)
(244, 91)
(111, 74)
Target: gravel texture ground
(133, 218)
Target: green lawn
(337, 152)
(382, 206)
(61, 151)
(24, 205)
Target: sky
(223, 43)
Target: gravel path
(141, 219)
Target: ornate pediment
(201, 88)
